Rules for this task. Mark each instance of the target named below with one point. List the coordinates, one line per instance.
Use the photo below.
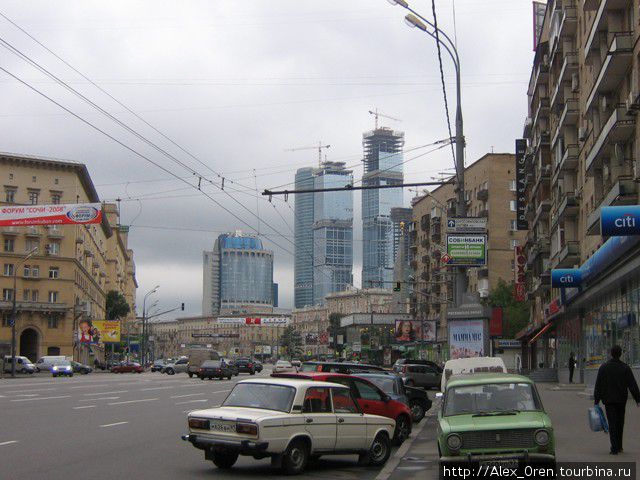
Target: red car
(127, 368)
(369, 397)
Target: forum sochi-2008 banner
(67, 214)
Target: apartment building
(491, 193)
(73, 267)
(582, 134)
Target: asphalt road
(105, 426)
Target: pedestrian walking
(572, 366)
(614, 379)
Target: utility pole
(14, 310)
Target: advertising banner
(566, 277)
(71, 214)
(469, 250)
(98, 331)
(407, 331)
(466, 338)
(620, 220)
(521, 175)
(519, 270)
(272, 321)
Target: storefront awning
(537, 335)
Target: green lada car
(494, 419)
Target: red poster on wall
(70, 214)
(519, 280)
(495, 324)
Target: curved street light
(144, 323)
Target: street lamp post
(14, 311)
(144, 323)
(414, 19)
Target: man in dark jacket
(614, 379)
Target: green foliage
(291, 340)
(515, 314)
(116, 305)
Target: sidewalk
(566, 404)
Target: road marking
(32, 390)
(40, 398)
(28, 395)
(188, 395)
(8, 443)
(113, 424)
(95, 399)
(133, 401)
(191, 401)
(104, 393)
(154, 388)
(90, 386)
(84, 406)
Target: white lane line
(8, 443)
(99, 398)
(39, 398)
(91, 386)
(28, 395)
(113, 424)
(104, 393)
(133, 401)
(84, 406)
(188, 395)
(31, 390)
(191, 401)
(154, 388)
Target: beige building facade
(73, 267)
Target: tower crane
(318, 147)
(377, 114)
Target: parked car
(296, 363)
(45, 363)
(23, 364)
(127, 367)
(179, 366)
(214, 369)
(80, 368)
(415, 398)
(369, 397)
(158, 365)
(245, 365)
(290, 421)
(231, 366)
(494, 418)
(62, 368)
(195, 358)
(339, 367)
(423, 376)
(282, 366)
(397, 367)
(257, 366)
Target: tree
(291, 340)
(116, 305)
(515, 313)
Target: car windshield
(492, 398)
(385, 383)
(308, 367)
(211, 363)
(62, 363)
(261, 395)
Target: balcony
(614, 68)
(54, 231)
(539, 247)
(568, 207)
(569, 67)
(23, 306)
(623, 192)
(526, 130)
(600, 22)
(567, 163)
(541, 282)
(542, 110)
(33, 231)
(539, 76)
(569, 255)
(10, 231)
(568, 117)
(483, 194)
(542, 212)
(569, 22)
(618, 129)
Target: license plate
(222, 427)
(512, 463)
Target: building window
(512, 185)
(32, 244)
(34, 295)
(53, 248)
(26, 295)
(7, 294)
(52, 322)
(6, 320)
(54, 272)
(514, 244)
(56, 197)
(9, 269)
(34, 179)
(513, 225)
(9, 244)
(512, 205)
(33, 196)
(10, 195)
(513, 265)
(53, 297)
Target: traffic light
(397, 287)
(182, 307)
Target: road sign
(467, 225)
(467, 250)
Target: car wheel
(295, 458)
(224, 459)
(379, 452)
(402, 431)
(417, 411)
(190, 375)
(229, 377)
(171, 372)
(71, 374)
(53, 375)
(252, 372)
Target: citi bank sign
(620, 221)
(566, 278)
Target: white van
(23, 364)
(466, 366)
(45, 363)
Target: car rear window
(262, 396)
(211, 363)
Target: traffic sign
(467, 225)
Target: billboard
(98, 331)
(519, 281)
(70, 214)
(272, 321)
(466, 338)
(407, 331)
(620, 220)
(469, 250)
(521, 176)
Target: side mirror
(439, 395)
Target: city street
(105, 426)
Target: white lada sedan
(290, 421)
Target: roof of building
(240, 241)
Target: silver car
(424, 376)
(179, 366)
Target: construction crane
(377, 114)
(318, 147)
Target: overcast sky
(235, 84)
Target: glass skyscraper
(382, 166)
(323, 234)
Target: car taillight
(200, 423)
(200, 370)
(247, 428)
(250, 365)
